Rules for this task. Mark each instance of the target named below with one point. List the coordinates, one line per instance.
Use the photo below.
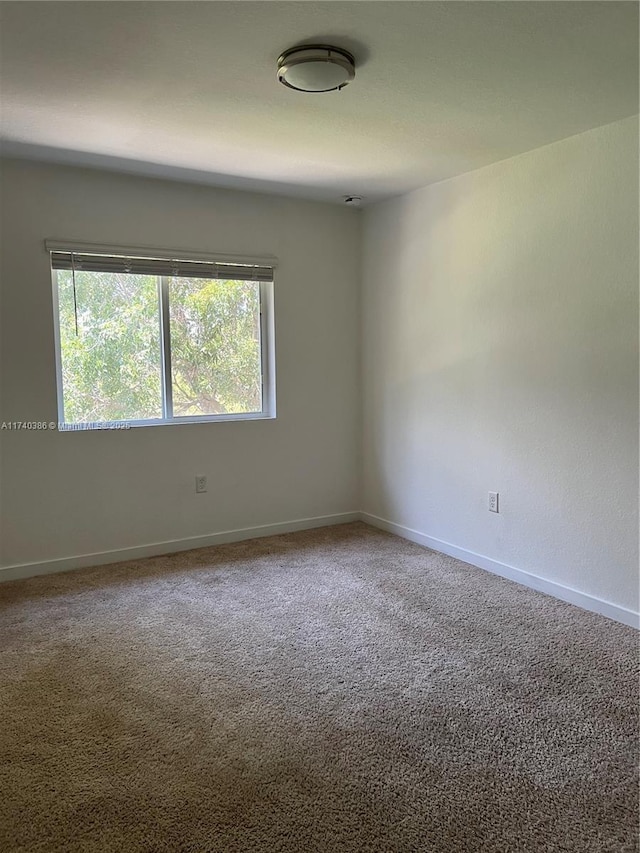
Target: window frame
(267, 340)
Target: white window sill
(124, 425)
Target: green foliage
(215, 346)
(112, 368)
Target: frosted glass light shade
(316, 68)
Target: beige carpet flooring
(327, 691)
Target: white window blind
(135, 264)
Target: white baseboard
(82, 561)
(556, 590)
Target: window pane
(215, 346)
(111, 370)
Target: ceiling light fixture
(316, 68)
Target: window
(155, 340)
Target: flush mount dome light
(316, 68)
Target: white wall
(500, 352)
(78, 493)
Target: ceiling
(188, 90)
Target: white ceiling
(188, 90)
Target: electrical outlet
(493, 502)
(201, 485)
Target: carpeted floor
(331, 691)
